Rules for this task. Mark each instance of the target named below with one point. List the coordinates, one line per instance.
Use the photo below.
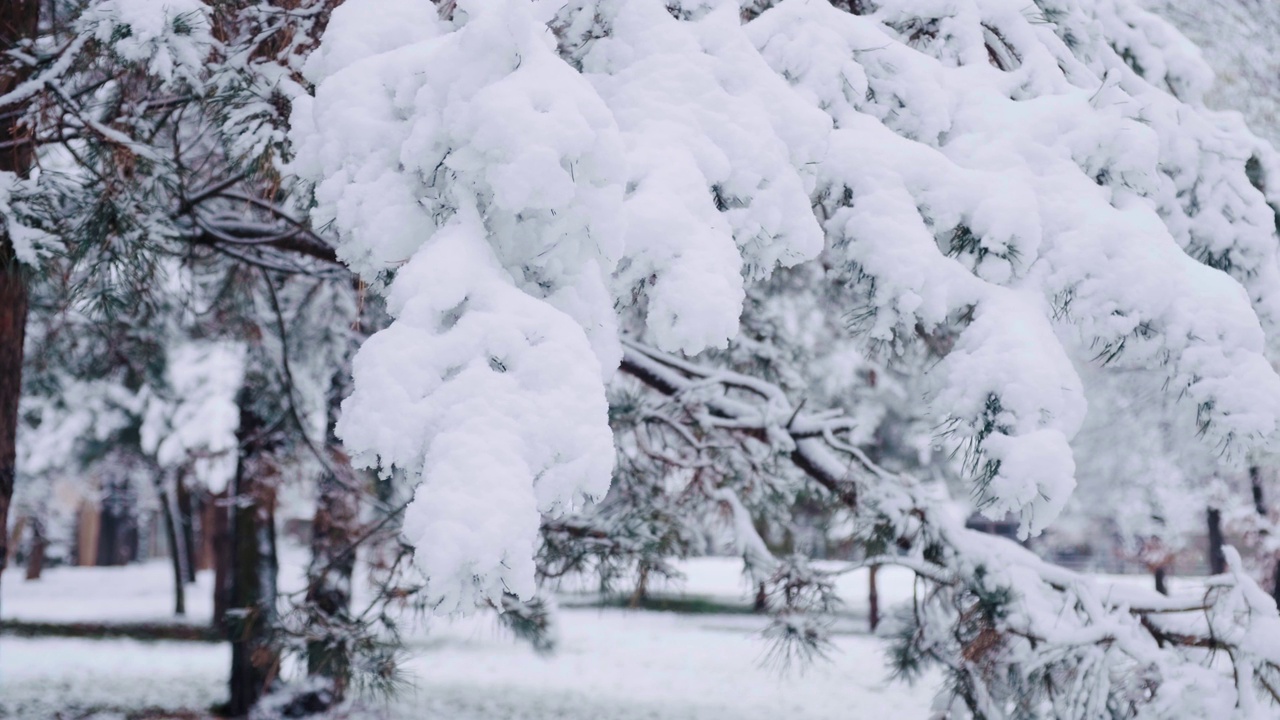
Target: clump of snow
(172, 37)
(493, 399)
(194, 420)
(1038, 189)
(85, 411)
(29, 243)
(483, 174)
(956, 176)
(713, 143)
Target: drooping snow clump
(1036, 184)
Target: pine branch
(1145, 630)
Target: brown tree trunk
(333, 561)
(219, 522)
(19, 21)
(35, 558)
(185, 519)
(873, 598)
(251, 612)
(203, 509)
(641, 593)
(175, 546)
(15, 537)
(87, 532)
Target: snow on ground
(611, 664)
(144, 592)
(631, 665)
(721, 579)
(138, 593)
(43, 678)
(130, 594)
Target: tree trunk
(204, 508)
(15, 538)
(333, 560)
(251, 612)
(1255, 484)
(87, 532)
(109, 530)
(1162, 585)
(219, 519)
(641, 593)
(186, 528)
(1217, 561)
(873, 598)
(19, 21)
(1260, 506)
(175, 547)
(35, 558)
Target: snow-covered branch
(1004, 623)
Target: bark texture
(218, 518)
(19, 21)
(251, 609)
(333, 561)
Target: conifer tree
(1034, 195)
(659, 265)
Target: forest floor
(611, 663)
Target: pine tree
(1024, 196)
(18, 27)
(656, 267)
(160, 223)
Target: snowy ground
(632, 665)
(144, 592)
(132, 594)
(611, 664)
(44, 678)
